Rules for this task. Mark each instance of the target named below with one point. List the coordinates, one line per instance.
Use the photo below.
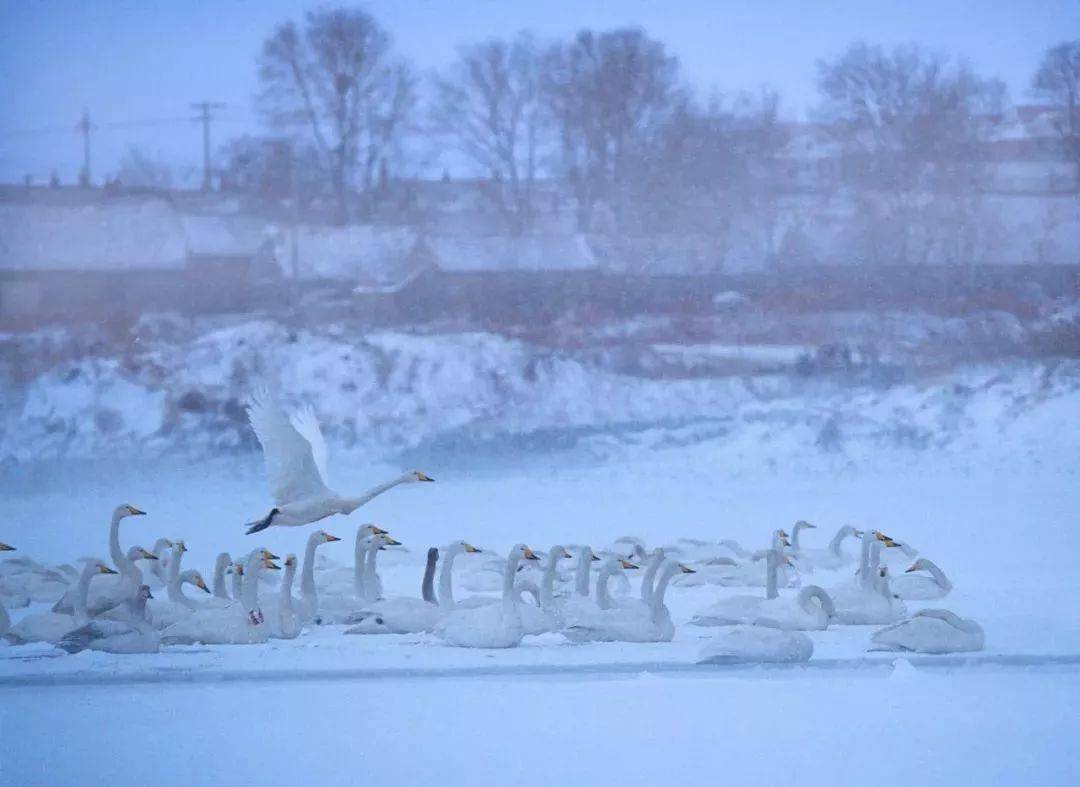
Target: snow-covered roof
(355, 253)
(226, 235)
(116, 234)
(506, 253)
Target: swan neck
(427, 586)
(837, 540)
(222, 563)
(285, 597)
(350, 504)
(547, 582)
(371, 576)
(772, 567)
(307, 579)
(509, 574)
(446, 576)
(795, 530)
(174, 576)
(119, 559)
(938, 575)
(581, 576)
(250, 587)
(82, 592)
(359, 567)
(648, 580)
(603, 597)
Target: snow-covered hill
(181, 392)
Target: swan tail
(260, 524)
(77, 640)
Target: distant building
(71, 255)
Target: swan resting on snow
(134, 635)
(759, 643)
(491, 625)
(918, 587)
(295, 454)
(931, 631)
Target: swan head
(801, 524)
(321, 537)
(143, 593)
(884, 539)
(6, 547)
(522, 552)
(101, 568)
(179, 546)
(559, 552)
(918, 565)
(626, 564)
(270, 564)
(237, 568)
(416, 477)
(268, 555)
(684, 569)
(370, 529)
(290, 561)
(138, 553)
(126, 510)
(193, 577)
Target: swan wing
(307, 424)
(290, 461)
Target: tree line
(607, 118)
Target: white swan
(446, 572)
(582, 609)
(237, 624)
(492, 625)
(308, 604)
(931, 631)
(222, 564)
(405, 614)
(158, 575)
(132, 635)
(349, 608)
(870, 599)
(833, 557)
(24, 581)
(345, 580)
(51, 626)
(295, 454)
(115, 592)
(282, 622)
(745, 644)
(176, 605)
(917, 587)
(810, 610)
(640, 622)
(546, 615)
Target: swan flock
(755, 605)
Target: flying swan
(295, 454)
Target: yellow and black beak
(626, 564)
(378, 531)
(202, 585)
(329, 538)
(469, 548)
(271, 556)
(136, 511)
(392, 542)
(6, 547)
(106, 570)
(914, 567)
(594, 557)
(423, 477)
(529, 554)
(149, 556)
(270, 564)
(686, 569)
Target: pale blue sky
(134, 61)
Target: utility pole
(85, 127)
(205, 108)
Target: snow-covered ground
(331, 709)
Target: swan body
(869, 601)
(295, 453)
(833, 557)
(238, 624)
(23, 580)
(492, 625)
(134, 635)
(641, 622)
(403, 615)
(111, 593)
(754, 644)
(52, 626)
(918, 587)
(931, 631)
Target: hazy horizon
(63, 57)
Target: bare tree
(143, 171)
(912, 126)
(608, 91)
(336, 79)
(490, 101)
(1058, 81)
